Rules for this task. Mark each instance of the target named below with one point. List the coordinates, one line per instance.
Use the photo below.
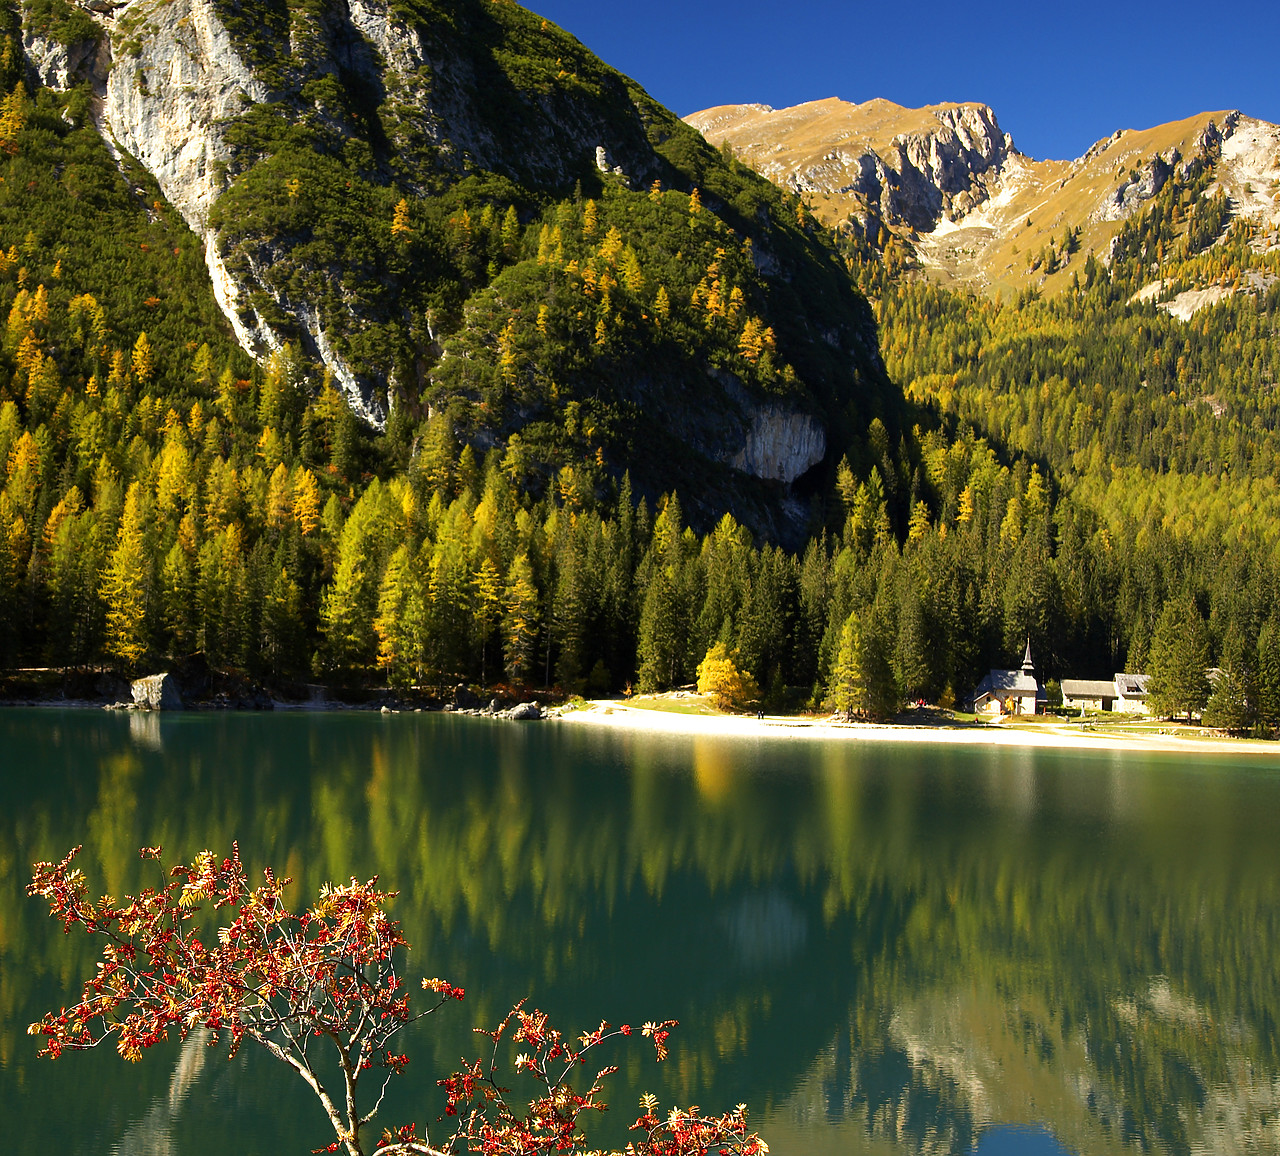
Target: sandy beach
(1061, 735)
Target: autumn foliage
(322, 992)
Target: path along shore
(1062, 735)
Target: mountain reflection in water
(880, 949)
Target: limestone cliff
(911, 167)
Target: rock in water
(526, 712)
(156, 692)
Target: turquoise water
(880, 949)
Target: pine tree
(178, 599)
(919, 524)
(75, 561)
(861, 678)
(1233, 702)
(659, 644)
(282, 627)
(14, 111)
(507, 359)
(630, 271)
(511, 232)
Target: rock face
(57, 65)
(781, 445)
(913, 166)
(156, 692)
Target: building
(1131, 693)
(1010, 691)
(1125, 694)
(1089, 694)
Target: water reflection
(882, 950)
(144, 729)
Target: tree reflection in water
(880, 949)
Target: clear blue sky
(1059, 76)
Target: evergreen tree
(1269, 674)
(659, 647)
(861, 678)
(1233, 701)
(1179, 660)
(281, 624)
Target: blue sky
(1059, 76)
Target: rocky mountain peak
(964, 202)
(905, 167)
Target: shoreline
(620, 715)
(607, 713)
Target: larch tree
(520, 621)
(401, 228)
(720, 677)
(128, 584)
(143, 362)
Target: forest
(1086, 470)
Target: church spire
(1028, 666)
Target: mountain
(453, 207)
(950, 185)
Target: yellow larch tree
(401, 229)
(143, 365)
(611, 246)
(279, 498)
(507, 360)
(306, 502)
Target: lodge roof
(1131, 685)
(1087, 688)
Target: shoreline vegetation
(685, 713)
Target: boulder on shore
(156, 692)
(525, 712)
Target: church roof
(1007, 682)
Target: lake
(880, 949)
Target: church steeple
(1028, 667)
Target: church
(1010, 691)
